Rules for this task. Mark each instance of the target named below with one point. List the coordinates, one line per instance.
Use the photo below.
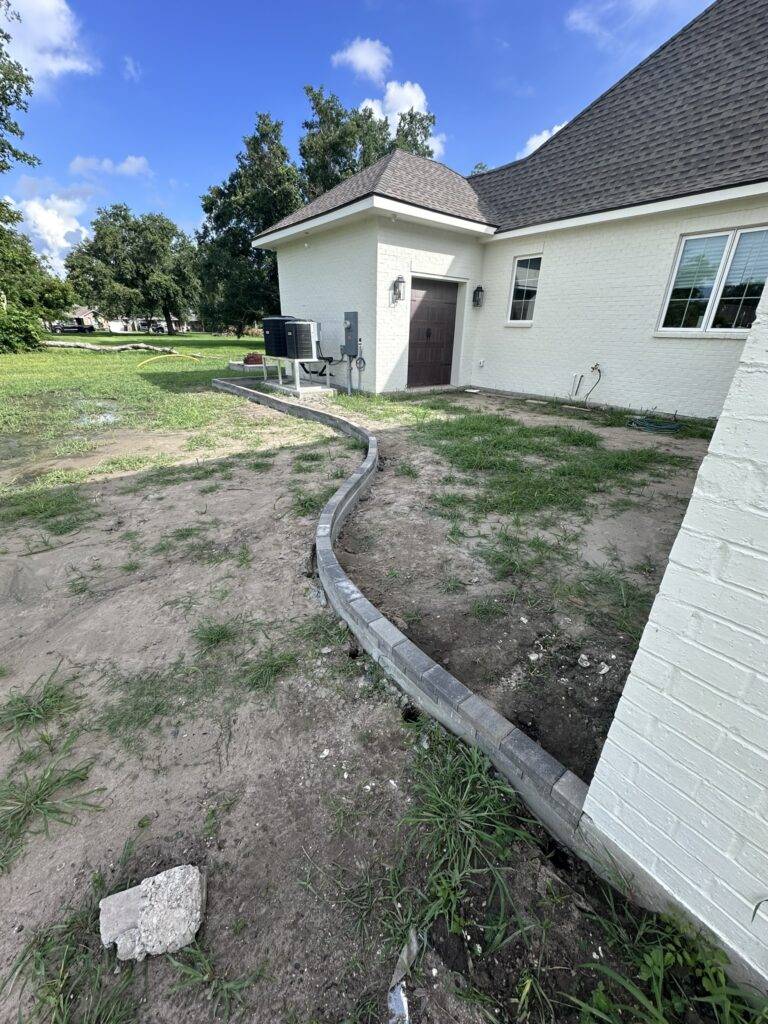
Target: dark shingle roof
(402, 176)
(690, 118)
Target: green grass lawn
(52, 393)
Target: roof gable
(406, 178)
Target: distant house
(86, 316)
(630, 249)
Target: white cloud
(533, 143)
(616, 24)
(369, 58)
(48, 41)
(53, 224)
(132, 70)
(134, 166)
(130, 167)
(397, 99)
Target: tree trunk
(137, 346)
(169, 321)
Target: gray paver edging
(554, 794)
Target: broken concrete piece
(160, 915)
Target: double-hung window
(525, 285)
(718, 281)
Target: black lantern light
(398, 288)
(478, 295)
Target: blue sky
(146, 101)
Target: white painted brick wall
(601, 291)
(412, 251)
(326, 273)
(600, 296)
(681, 788)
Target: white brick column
(679, 800)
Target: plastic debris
(397, 1001)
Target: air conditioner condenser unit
(301, 340)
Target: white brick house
(634, 241)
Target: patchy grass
(310, 503)
(262, 673)
(307, 462)
(59, 510)
(689, 426)
(225, 994)
(406, 469)
(41, 704)
(487, 609)
(209, 634)
(452, 585)
(464, 839)
(456, 834)
(32, 803)
(524, 470)
(68, 976)
(56, 393)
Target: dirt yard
(173, 690)
(215, 716)
(538, 606)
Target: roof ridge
(606, 92)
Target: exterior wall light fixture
(478, 295)
(398, 288)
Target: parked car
(72, 327)
(151, 326)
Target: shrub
(19, 330)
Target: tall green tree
(28, 290)
(26, 281)
(329, 146)
(15, 90)
(338, 142)
(131, 265)
(239, 282)
(413, 133)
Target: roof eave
(668, 205)
(378, 205)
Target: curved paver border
(554, 794)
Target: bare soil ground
(548, 632)
(209, 710)
(191, 754)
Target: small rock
(603, 669)
(534, 656)
(326, 650)
(160, 915)
(325, 754)
(584, 661)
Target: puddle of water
(97, 414)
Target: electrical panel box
(351, 336)
(301, 340)
(274, 334)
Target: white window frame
(732, 240)
(522, 256)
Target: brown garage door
(430, 343)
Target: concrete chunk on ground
(160, 915)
